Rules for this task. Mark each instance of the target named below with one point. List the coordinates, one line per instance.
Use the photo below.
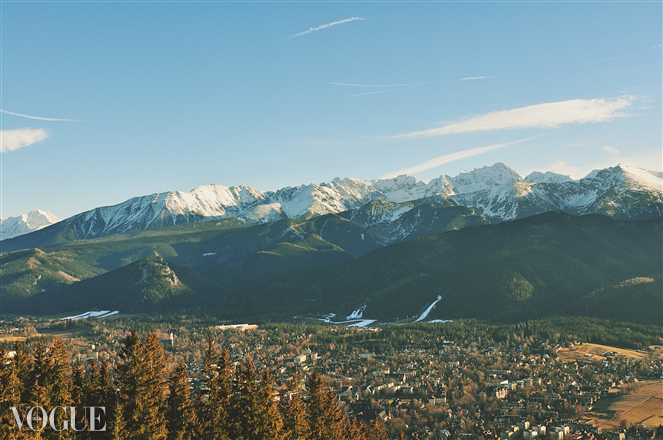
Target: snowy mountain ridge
(495, 192)
(25, 223)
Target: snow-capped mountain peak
(630, 177)
(643, 178)
(547, 177)
(484, 178)
(25, 223)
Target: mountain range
(497, 193)
(488, 243)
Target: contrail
(621, 57)
(384, 91)
(382, 85)
(397, 87)
(471, 78)
(39, 118)
(325, 26)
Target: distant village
(446, 389)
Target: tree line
(142, 400)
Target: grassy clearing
(642, 406)
(11, 339)
(598, 353)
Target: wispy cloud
(381, 85)
(11, 140)
(441, 160)
(386, 88)
(611, 150)
(474, 78)
(383, 91)
(547, 115)
(398, 87)
(325, 26)
(39, 118)
(621, 57)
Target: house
(437, 400)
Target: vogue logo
(37, 418)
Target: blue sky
(104, 101)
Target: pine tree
(38, 393)
(355, 430)
(326, 419)
(295, 419)
(315, 408)
(334, 417)
(245, 411)
(270, 424)
(377, 431)
(23, 363)
(99, 390)
(59, 386)
(214, 404)
(180, 416)
(39, 371)
(140, 411)
(38, 397)
(80, 386)
(10, 396)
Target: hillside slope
(536, 266)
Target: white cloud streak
(11, 140)
(441, 160)
(398, 87)
(384, 91)
(325, 26)
(621, 57)
(381, 85)
(611, 150)
(473, 78)
(547, 115)
(39, 118)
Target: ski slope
(428, 310)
